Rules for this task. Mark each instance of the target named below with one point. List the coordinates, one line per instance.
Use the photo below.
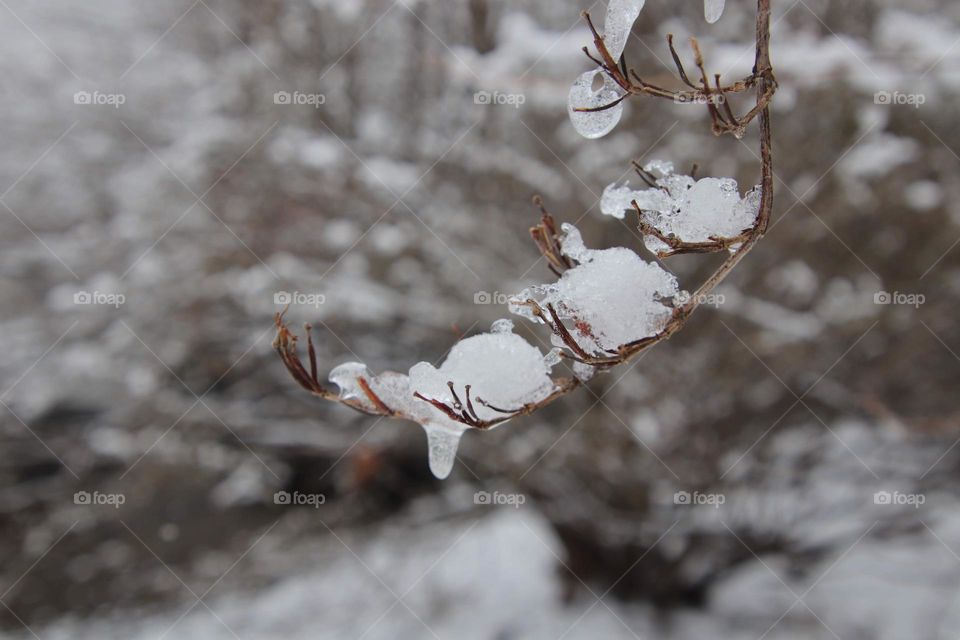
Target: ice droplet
(345, 376)
(713, 9)
(594, 124)
(442, 443)
(621, 14)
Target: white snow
(500, 367)
(878, 155)
(923, 195)
(692, 210)
(611, 298)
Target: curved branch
(548, 242)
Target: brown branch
(678, 63)
(678, 246)
(547, 239)
(645, 175)
(722, 122)
(373, 397)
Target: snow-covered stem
(763, 80)
(462, 410)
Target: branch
(714, 97)
(547, 239)
(545, 236)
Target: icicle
(442, 442)
(713, 9)
(621, 14)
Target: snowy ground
(492, 576)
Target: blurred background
(784, 467)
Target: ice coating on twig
(487, 377)
(621, 14)
(690, 210)
(713, 9)
(395, 392)
(594, 124)
(498, 369)
(617, 200)
(611, 298)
